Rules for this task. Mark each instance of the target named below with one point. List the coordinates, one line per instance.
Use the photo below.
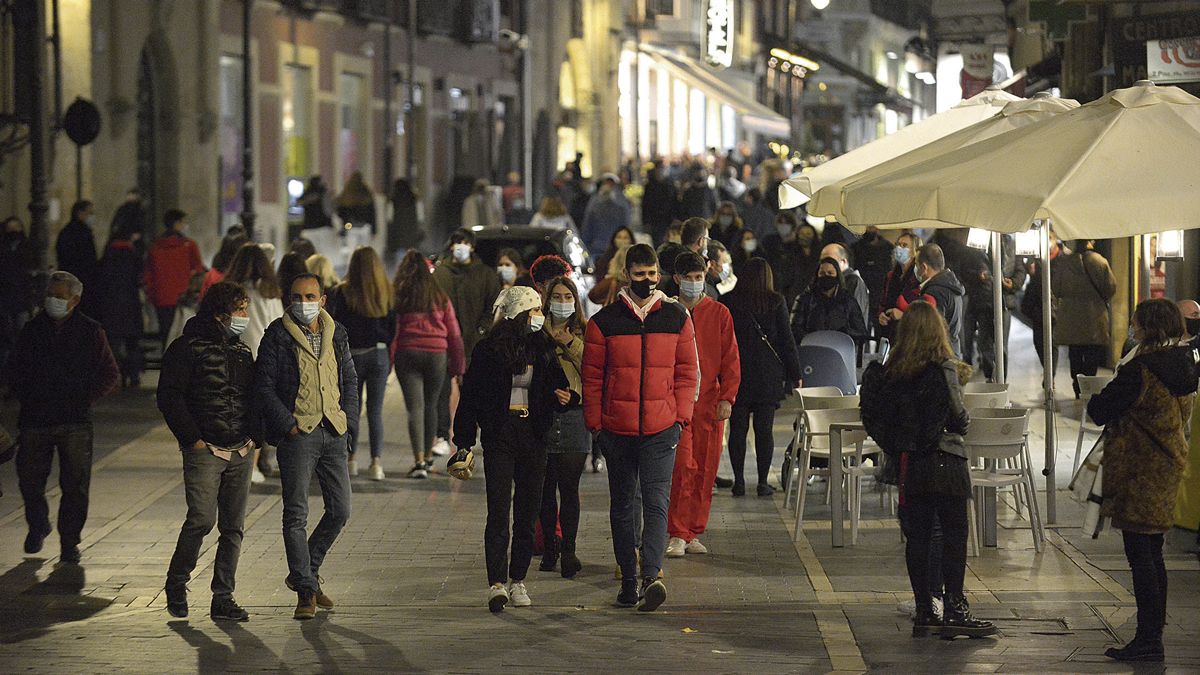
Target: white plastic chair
(1089, 386)
(816, 443)
(794, 403)
(992, 440)
(985, 399)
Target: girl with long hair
(902, 286)
(322, 266)
(569, 442)
(230, 244)
(364, 304)
(552, 214)
(511, 393)
(914, 409)
(427, 346)
(766, 348)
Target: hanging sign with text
(718, 34)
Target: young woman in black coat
(513, 387)
(915, 412)
(765, 343)
(827, 305)
(121, 306)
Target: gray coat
(1083, 284)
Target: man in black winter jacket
(941, 288)
(206, 395)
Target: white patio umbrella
(1122, 165)
(797, 189)
(827, 202)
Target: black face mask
(642, 288)
(825, 284)
(1193, 326)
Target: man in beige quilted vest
(308, 392)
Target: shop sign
(718, 34)
(1128, 38)
(1176, 60)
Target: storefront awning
(754, 116)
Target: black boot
(1139, 649)
(549, 554)
(957, 620)
(570, 563)
(926, 621)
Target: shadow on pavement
(217, 657)
(337, 659)
(35, 607)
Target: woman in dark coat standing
(121, 306)
(901, 287)
(913, 407)
(404, 230)
(827, 305)
(1147, 411)
(765, 343)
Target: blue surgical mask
(306, 312)
(691, 289)
(461, 252)
(57, 308)
(237, 325)
(562, 310)
(536, 323)
(508, 273)
(902, 255)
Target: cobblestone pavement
(408, 577)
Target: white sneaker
(441, 447)
(520, 596)
(497, 598)
(257, 477)
(676, 548)
(419, 472)
(694, 546)
(352, 465)
(376, 471)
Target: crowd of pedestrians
(258, 356)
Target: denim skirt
(568, 433)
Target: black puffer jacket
(206, 389)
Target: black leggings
(920, 517)
(514, 462)
(563, 470)
(1144, 553)
(764, 439)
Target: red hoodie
(717, 347)
(172, 261)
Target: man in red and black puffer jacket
(639, 388)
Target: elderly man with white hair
(60, 366)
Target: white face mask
(750, 245)
(562, 310)
(536, 323)
(691, 289)
(306, 312)
(725, 220)
(508, 273)
(237, 325)
(57, 308)
(726, 270)
(461, 252)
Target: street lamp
(819, 4)
(1170, 245)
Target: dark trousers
(443, 409)
(936, 543)
(1039, 337)
(422, 376)
(563, 470)
(1085, 360)
(166, 316)
(1144, 553)
(979, 331)
(128, 352)
(919, 517)
(764, 439)
(73, 444)
(216, 493)
(514, 468)
(640, 466)
(324, 453)
(373, 371)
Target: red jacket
(716, 343)
(172, 261)
(639, 376)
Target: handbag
(1087, 487)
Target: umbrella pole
(1001, 345)
(1048, 375)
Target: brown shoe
(306, 606)
(323, 601)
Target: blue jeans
(373, 370)
(644, 462)
(324, 453)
